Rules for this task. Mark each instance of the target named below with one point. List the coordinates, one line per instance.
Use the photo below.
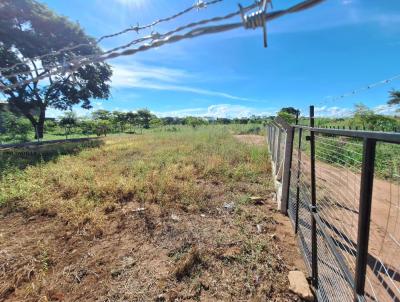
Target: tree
(290, 110)
(289, 114)
(194, 121)
(368, 119)
(102, 114)
(120, 120)
(144, 118)
(102, 127)
(68, 121)
(394, 98)
(16, 128)
(30, 29)
(132, 119)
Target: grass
(161, 167)
(82, 237)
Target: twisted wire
(198, 5)
(197, 32)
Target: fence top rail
(376, 135)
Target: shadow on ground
(20, 158)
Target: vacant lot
(165, 216)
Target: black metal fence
(342, 194)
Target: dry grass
(71, 229)
(169, 169)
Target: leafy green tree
(103, 127)
(290, 110)
(368, 119)
(50, 125)
(144, 118)
(68, 121)
(156, 122)
(132, 119)
(394, 98)
(30, 29)
(16, 128)
(102, 114)
(120, 120)
(87, 126)
(290, 118)
(193, 121)
(289, 114)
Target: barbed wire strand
(153, 36)
(198, 5)
(197, 32)
(359, 90)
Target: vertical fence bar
(314, 252)
(287, 165)
(298, 180)
(278, 149)
(364, 216)
(277, 136)
(273, 143)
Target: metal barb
(257, 18)
(200, 4)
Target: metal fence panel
(357, 213)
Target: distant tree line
(363, 118)
(16, 127)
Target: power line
(198, 5)
(250, 21)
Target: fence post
(278, 149)
(364, 215)
(287, 165)
(314, 252)
(273, 143)
(298, 181)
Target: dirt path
(251, 139)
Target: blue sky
(331, 49)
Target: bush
(17, 128)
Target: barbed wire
(153, 36)
(251, 21)
(199, 4)
(359, 90)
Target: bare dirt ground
(241, 253)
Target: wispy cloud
(161, 78)
(134, 3)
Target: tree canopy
(394, 97)
(29, 29)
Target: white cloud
(161, 78)
(133, 3)
(219, 111)
(386, 109)
(326, 111)
(335, 111)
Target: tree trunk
(40, 124)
